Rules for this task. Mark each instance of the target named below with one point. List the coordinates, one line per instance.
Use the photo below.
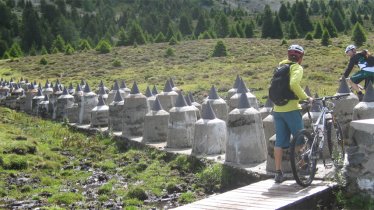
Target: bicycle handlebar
(333, 97)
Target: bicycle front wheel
(335, 143)
(303, 155)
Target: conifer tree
(205, 35)
(317, 31)
(160, 38)
(69, 50)
(284, 14)
(219, 50)
(43, 51)
(301, 18)
(325, 41)
(358, 34)
(222, 28)
(309, 36)
(3, 47)
(277, 28)
(15, 51)
(136, 34)
(292, 31)
(84, 45)
(122, 38)
(330, 26)
(32, 51)
(359, 19)
(248, 30)
(239, 29)
(185, 26)
(315, 8)
(31, 30)
(201, 25)
(169, 32)
(103, 46)
(233, 32)
(353, 17)
(267, 23)
(59, 44)
(338, 20)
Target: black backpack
(279, 91)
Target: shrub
(43, 61)
(325, 41)
(103, 47)
(116, 63)
(172, 41)
(210, 178)
(69, 50)
(44, 51)
(169, 52)
(132, 202)
(219, 50)
(105, 189)
(187, 197)
(137, 193)
(309, 36)
(84, 45)
(15, 162)
(65, 198)
(284, 42)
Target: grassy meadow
(190, 65)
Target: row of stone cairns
(238, 127)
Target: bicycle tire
(303, 156)
(336, 146)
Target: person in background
(287, 118)
(363, 60)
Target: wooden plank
(261, 195)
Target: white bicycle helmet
(349, 48)
(295, 50)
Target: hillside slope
(191, 66)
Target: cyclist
(361, 59)
(287, 118)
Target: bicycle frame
(319, 127)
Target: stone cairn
(210, 135)
(365, 108)
(266, 110)
(124, 88)
(88, 102)
(156, 124)
(150, 97)
(234, 88)
(114, 91)
(73, 111)
(64, 103)
(242, 88)
(167, 97)
(246, 138)
(135, 109)
(57, 92)
(344, 108)
(116, 110)
(189, 103)
(100, 114)
(30, 93)
(36, 101)
(43, 108)
(219, 105)
(181, 125)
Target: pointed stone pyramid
(135, 89)
(307, 91)
(101, 101)
(157, 105)
(343, 87)
(46, 98)
(65, 92)
(168, 88)
(71, 86)
(188, 101)
(242, 88)
(243, 102)
(237, 82)
(115, 86)
(123, 84)
(87, 88)
(207, 112)
(102, 90)
(154, 90)
(148, 92)
(79, 88)
(316, 105)
(101, 83)
(213, 93)
(369, 93)
(180, 101)
(118, 97)
(171, 82)
(40, 93)
(269, 103)
(82, 82)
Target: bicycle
(307, 146)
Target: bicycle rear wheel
(303, 155)
(335, 143)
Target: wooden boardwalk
(262, 195)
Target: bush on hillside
(169, 52)
(69, 50)
(219, 50)
(325, 41)
(43, 61)
(359, 35)
(309, 36)
(103, 47)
